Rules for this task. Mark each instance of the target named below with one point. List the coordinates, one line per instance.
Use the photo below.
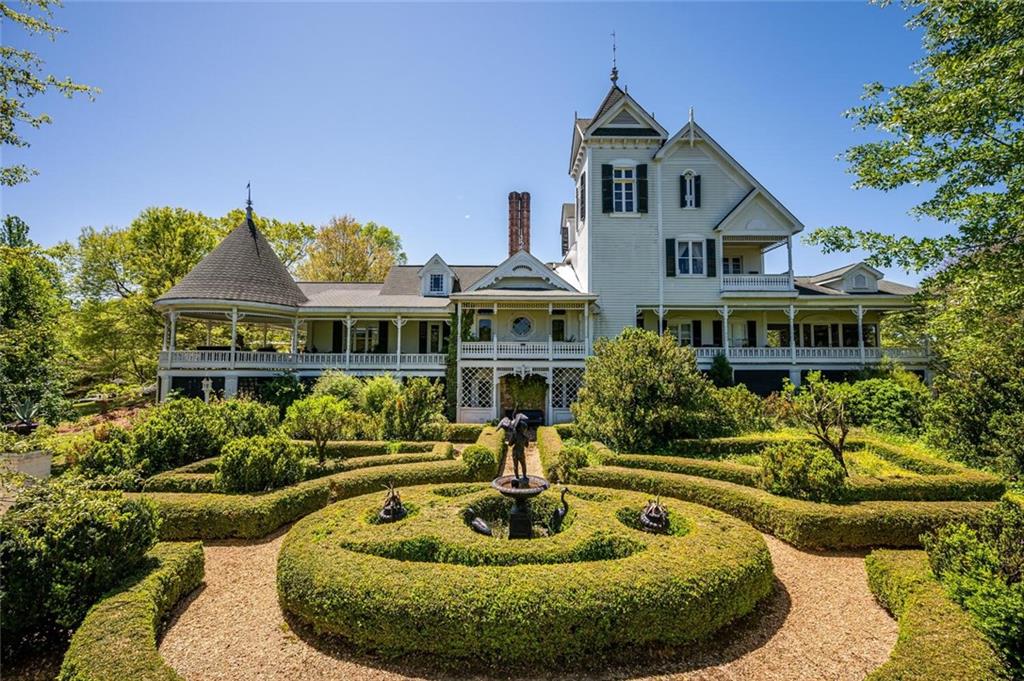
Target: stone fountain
(520, 487)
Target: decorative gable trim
(521, 265)
(642, 120)
(436, 265)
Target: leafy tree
(14, 232)
(22, 74)
(959, 128)
(641, 391)
(378, 391)
(821, 407)
(415, 413)
(345, 250)
(320, 418)
(341, 385)
(33, 351)
(260, 463)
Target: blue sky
(423, 117)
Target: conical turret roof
(242, 267)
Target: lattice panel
(477, 387)
(565, 385)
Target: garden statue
(559, 515)
(654, 517)
(478, 524)
(515, 437)
(393, 509)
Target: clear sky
(423, 117)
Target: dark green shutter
(382, 336)
(670, 257)
(640, 320)
(446, 332)
(583, 197)
(682, 191)
(716, 333)
(712, 258)
(641, 187)
(697, 333)
(423, 337)
(751, 333)
(696, 191)
(337, 337)
(606, 188)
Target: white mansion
(668, 232)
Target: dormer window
(689, 190)
(436, 284)
(624, 190)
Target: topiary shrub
(247, 418)
(799, 470)
(415, 413)
(720, 372)
(378, 391)
(177, 432)
(281, 391)
(341, 385)
(641, 390)
(480, 462)
(320, 418)
(741, 411)
(983, 570)
(62, 546)
(260, 463)
(888, 405)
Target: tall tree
(23, 77)
(345, 250)
(959, 128)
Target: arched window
(860, 281)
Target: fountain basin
(520, 490)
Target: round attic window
(522, 326)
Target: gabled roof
(522, 264)
(700, 134)
(837, 273)
(405, 279)
(436, 259)
(243, 268)
(748, 198)
(610, 106)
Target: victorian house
(667, 232)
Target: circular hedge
(429, 584)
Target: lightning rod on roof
(248, 202)
(615, 66)
(691, 126)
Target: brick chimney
(518, 222)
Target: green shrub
(117, 639)
(320, 418)
(61, 546)
(247, 418)
(805, 524)
(462, 432)
(480, 462)
(641, 389)
(565, 430)
(177, 432)
(281, 391)
(378, 391)
(560, 459)
(820, 406)
(741, 411)
(415, 413)
(729, 471)
(801, 471)
(342, 449)
(936, 638)
(258, 464)
(539, 603)
(981, 569)
(720, 372)
(887, 404)
(109, 451)
(340, 385)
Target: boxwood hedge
(805, 524)
(348, 448)
(463, 432)
(936, 637)
(117, 639)
(429, 585)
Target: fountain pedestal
(520, 491)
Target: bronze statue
(654, 517)
(559, 514)
(515, 437)
(393, 509)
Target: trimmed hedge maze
(936, 637)
(429, 585)
(194, 514)
(728, 486)
(117, 639)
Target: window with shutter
(641, 188)
(687, 189)
(624, 190)
(606, 188)
(670, 257)
(583, 197)
(690, 257)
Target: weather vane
(248, 202)
(615, 66)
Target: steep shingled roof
(242, 267)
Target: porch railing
(804, 354)
(757, 282)
(523, 350)
(281, 361)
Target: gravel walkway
(821, 624)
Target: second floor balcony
(757, 282)
(299, 361)
(551, 350)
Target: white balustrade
(248, 359)
(757, 282)
(522, 350)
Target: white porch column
(398, 343)
(550, 380)
(174, 330)
(295, 337)
(494, 334)
(348, 341)
(230, 387)
(165, 388)
(725, 329)
(209, 333)
(587, 342)
(163, 340)
(495, 394)
(551, 346)
(458, 331)
(860, 331)
(789, 254)
(234, 336)
(791, 313)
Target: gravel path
(821, 624)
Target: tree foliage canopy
(346, 250)
(23, 77)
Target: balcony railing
(248, 359)
(523, 350)
(757, 282)
(801, 354)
